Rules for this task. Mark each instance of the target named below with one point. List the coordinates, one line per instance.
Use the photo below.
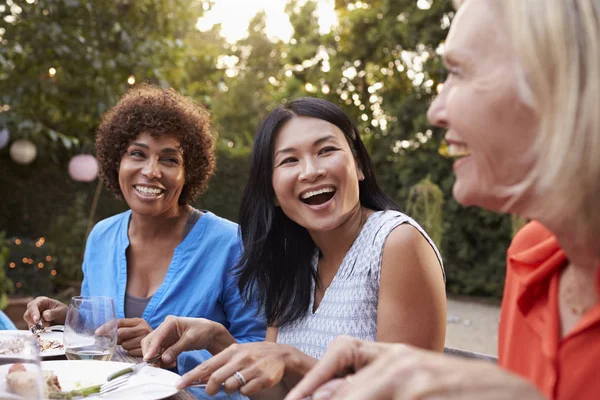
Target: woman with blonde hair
(520, 109)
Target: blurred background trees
(63, 63)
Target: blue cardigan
(199, 282)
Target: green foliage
(227, 185)
(33, 265)
(517, 223)
(380, 64)
(67, 241)
(425, 204)
(5, 283)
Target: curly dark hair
(149, 109)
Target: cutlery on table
(134, 368)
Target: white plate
(149, 383)
(58, 336)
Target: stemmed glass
(20, 373)
(90, 328)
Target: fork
(122, 381)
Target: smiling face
(152, 175)
(315, 175)
(489, 126)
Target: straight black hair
(276, 269)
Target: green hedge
(41, 200)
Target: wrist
(220, 338)
(297, 363)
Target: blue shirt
(6, 323)
(198, 283)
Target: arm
(412, 298)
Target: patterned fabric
(349, 305)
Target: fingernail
(35, 319)
(322, 395)
(167, 358)
(179, 384)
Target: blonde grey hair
(558, 46)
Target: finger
(128, 322)
(189, 377)
(55, 314)
(185, 343)
(131, 344)
(375, 381)
(207, 369)
(33, 311)
(328, 390)
(137, 352)
(163, 336)
(252, 378)
(29, 318)
(106, 329)
(256, 381)
(125, 334)
(339, 357)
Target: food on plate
(46, 344)
(26, 384)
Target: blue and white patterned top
(349, 305)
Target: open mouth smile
(317, 197)
(148, 191)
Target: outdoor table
(121, 355)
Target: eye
(327, 149)
(288, 160)
(137, 153)
(171, 160)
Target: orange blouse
(529, 334)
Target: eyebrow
(316, 143)
(166, 150)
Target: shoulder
(407, 238)
(530, 236)
(218, 226)
(108, 226)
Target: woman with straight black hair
(326, 253)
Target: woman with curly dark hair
(162, 257)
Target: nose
(151, 169)
(437, 114)
(311, 172)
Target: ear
(359, 171)
(361, 175)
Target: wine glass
(90, 328)
(20, 373)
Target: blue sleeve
(85, 287)
(5, 323)
(245, 323)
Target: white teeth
(307, 195)
(458, 150)
(147, 190)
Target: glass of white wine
(21, 376)
(90, 328)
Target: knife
(134, 368)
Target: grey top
(135, 306)
(349, 305)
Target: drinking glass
(21, 376)
(90, 328)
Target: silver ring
(240, 378)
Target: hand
(262, 364)
(398, 372)
(130, 332)
(50, 310)
(178, 334)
